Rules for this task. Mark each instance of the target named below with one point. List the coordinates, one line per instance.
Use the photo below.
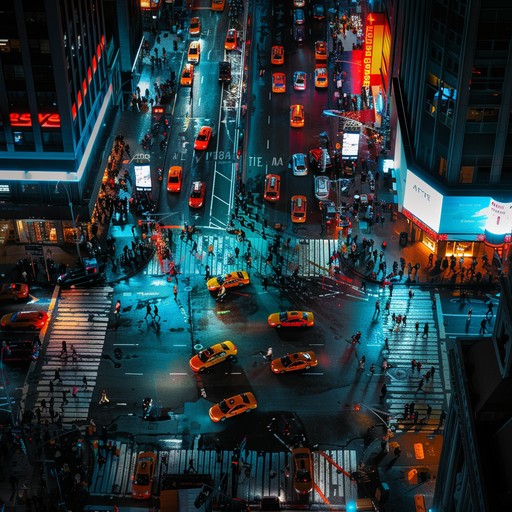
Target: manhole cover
(198, 347)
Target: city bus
(218, 5)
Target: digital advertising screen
(462, 214)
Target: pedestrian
(372, 370)
(377, 308)
(85, 383)
(74, 355)
(194, 248)
(148, 311)
(207, 272)
(175, 293)
(412, 405)
(118, 308)
(64, 398)
(415, 417)
(406, 411)
(418, 366)
(427, 376)
(404, 320)
(384, 446)
(57, 375)
(156, 313)
(265, 283)
(425, 331)
(483, 325)
(470, 313)
(363, 285)
(391, 290)
(74, 392)
(210, 250)
(429, 412)
(434, 303)
(64, 349)
(490, 306)
(411, 294)
(441, 419)
(104, 399)
(362, 362)
(268, 355)
(432, 371)
(420, 385)
(43, 405)
(38, 414)
(383, 391)
(237, 252)
(413, 365)
(397, 451)
(386, 344)
(417, 327)
(51, 388)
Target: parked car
(294, 362)
(16, 351)
(291, 319)
(299, 164)
(24, 320)
(233, 406)
(231, 280)
(213, 355)
(143, 475)
(302, 470)
(225, 72)
(13, 292)
(322, 187)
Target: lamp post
(70, 204)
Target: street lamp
(70, 204)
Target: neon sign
(25, 120)
(368, 52)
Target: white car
(322, 187)
(299, 80)
(299, 164)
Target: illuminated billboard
(350, 148)
(423, 201)
(142, 177)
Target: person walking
(265, 283)
(432, 371)
(148, 311)
(237, 252)
(65, 400)
(156, 313)
(104, 399)
(470, 314)
(425, 331)
(397, 451)
(64, 350)
(175, 293)
(413, 365)
(85, 383)
(194, 248)
(383, 392)
(117, 310)
(412, 405)
(441, 419)
(207, 272)
(420, 385)
(372, 370)
(268, 355)
(490, 307)
(417, 327)
(386, 344)
(418, 366)
(427, 376)
(362, 362)
(57, 375)
(74, 354)
(429, 412)
(43, 405)
(210, 250)
(411, 294)
(74, 392)
(483, 325)
(377, 309)
(51, 388)
(415, 417)
(406, 411)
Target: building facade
(451, 126)
(56, 72)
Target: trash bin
(404, 238)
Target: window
(443, 166)
(436, 54)
(466, 174)
(483, 175)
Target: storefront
(459, 225)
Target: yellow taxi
(197, 194)
(302, 470)
(229, 407)
(294, 362)
(194, 28)
(175, 179)
(194, 52)
(213, 355)
(231, 40)
(291, 319)
(12, 292)
(277, 55)
(187, 75)
(142, 478)
(231, 280)
(278, 83)
(297, 116)
(24, 320)
(321, 78)
(299, 205)
(272, 187)
(320, 50)
(203, 138)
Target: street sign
(34, 250)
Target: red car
(203, 138)
(196, 199)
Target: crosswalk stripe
(71, 323)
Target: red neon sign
(25, 120)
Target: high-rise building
(451, 99)
(57, 67)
